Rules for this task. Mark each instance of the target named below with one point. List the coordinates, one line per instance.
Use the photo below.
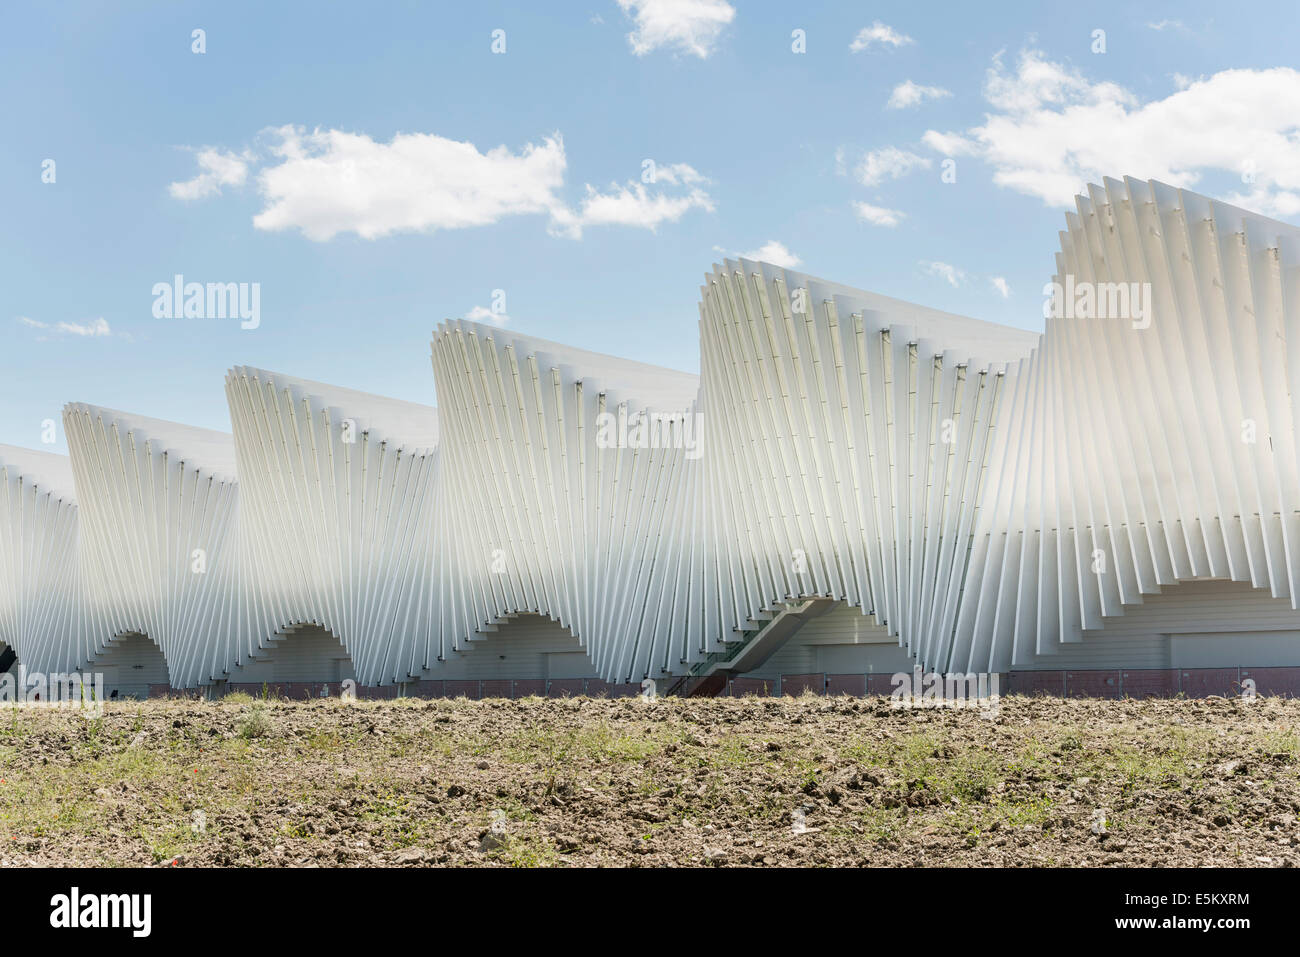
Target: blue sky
(377, 168)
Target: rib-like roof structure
(987, 493)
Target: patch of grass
(169, 841)
(731, 752)
(527, 848)
(602, 741)
(885, 825)
(327, 740)
(524, 844)
(1285, 743)
(256, 723)
(979, 820)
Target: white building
(852, 485)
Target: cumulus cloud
(954, 276)
(327, 182)
(878, 35)
(689, 26)
(1001, 285)
(217, 168)
(878, 215)
(770, 252)
(908, 94)
(678, 173)
(627, 205)
(888, 163)
(484, 314)
(1052, 131)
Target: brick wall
(1121, 683)
(1110, 683)
(795, 685)
(763, 687)
(854, 685)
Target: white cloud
(1168, 25)
(878, 34)
(954, 276)
(628, 205)
(1000, 284)
(691, 26)
(93, 328)
(888, 163)
(775, 253)
(484, 314)
(950, 144)
(908, 94)
(96, 327)
(328, 182)
(676, 173)
(878, 214)
(1052, 131)
(217, 168)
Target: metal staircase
(709, 676)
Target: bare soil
(673, 782)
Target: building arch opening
(133, 667)
(302, 661)
(519, 656)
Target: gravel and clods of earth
(763, 782)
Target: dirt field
(761, 782)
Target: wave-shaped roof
(642, 385)
(49, 470)
(408, 423)
(950, 331)
(206, 449)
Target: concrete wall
(527, 654)
(1195, 624)
(522, 647)
(308, 653)
(1195, 638)
(130, 664)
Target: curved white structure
(41, 596)
(993, 499)
(540, 511)
(336, 512)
